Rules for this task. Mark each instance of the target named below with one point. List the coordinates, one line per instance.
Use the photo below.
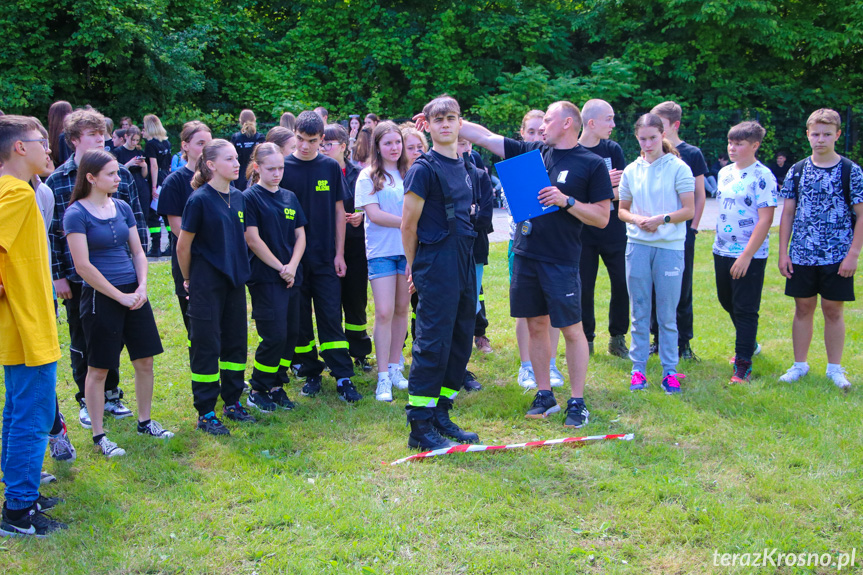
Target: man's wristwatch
(666, 219)
(570, 201)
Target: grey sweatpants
(647, 268)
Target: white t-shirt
(740, 193)
(381, 241)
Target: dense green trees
(778, 59)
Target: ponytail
(210, 153)
(669, 148)
(249, 123)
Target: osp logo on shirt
(290, 214)
(323, 186)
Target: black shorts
(809, 281)
(541, 288)
(109, 325)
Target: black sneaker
(425, 437)
(237, 412)
(654, 347)
(46, 503)
(363, 364)
(210, 424)
(34, 523)
(470, 383)
(312, 387)
(686, 353)
(281, 399)
(261, 401)
(347, 392)
(576, 413)
(617, 346)
(544, 404)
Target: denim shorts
(387, 266)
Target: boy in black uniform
(318, 183)
(608, 243)
(437, 234)
(545, 281)
(670, 113)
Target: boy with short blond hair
(29, 348)
(823, 195)
(746, 195)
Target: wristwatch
(666, 219)
(570, 201)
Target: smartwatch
(570, 201)
(666, 219)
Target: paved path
(708, 220)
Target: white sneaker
(555, 376)
(397, 379)
(838, 377)
(526, 378)
(402, 362)
(384, 390)
(153, 429)
(84, 416)
(794, 373)
(757, 349)
(108, 448)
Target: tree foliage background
(723, 60)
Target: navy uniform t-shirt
(161, 151)
(277, 215)
(176, 190)
(615, 232)
(123, 155)
(357, 234)
(421, 180)
(556, 237)
(218, 230)
(694, 159)
(318, 184)
(245, 145)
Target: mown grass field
(726, 469)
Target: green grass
(733, 469)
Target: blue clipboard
(522, 178)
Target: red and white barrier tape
(472, 448)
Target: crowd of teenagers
(308, 215)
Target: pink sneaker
(638, 381)
(671, 383)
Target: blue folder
(522, 178)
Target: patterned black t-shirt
(822, 230)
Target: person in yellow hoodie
(26, 307)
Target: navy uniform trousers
(321, 284)
(355, 296)
(218, 334)
(444, 274)
(275, 309)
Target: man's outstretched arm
(482, 136)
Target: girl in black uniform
(157, 151)
(176, 190)
(213, 259)
(275, 233)
(245, 141)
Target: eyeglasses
(329, 145)
(43, 141)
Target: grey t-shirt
(107, 240)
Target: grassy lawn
(731, 469)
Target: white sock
(527, 365)
(382, 375)
(553, 362)
(833, 367)
(803, 364)
(392, 366)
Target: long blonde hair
(154, 128)
(203, 173)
